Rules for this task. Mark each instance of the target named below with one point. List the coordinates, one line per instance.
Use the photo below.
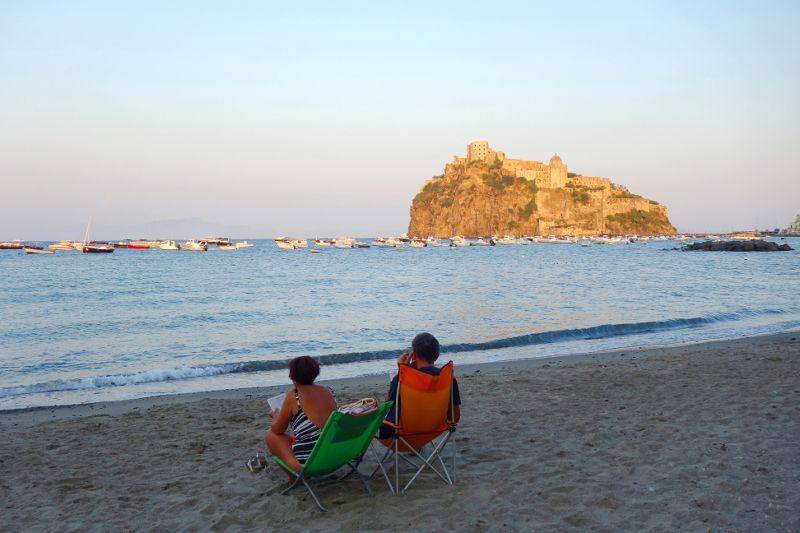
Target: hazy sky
(325, 119)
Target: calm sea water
(79, 328)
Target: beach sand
(694, 438)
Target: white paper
(276, 402)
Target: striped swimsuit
(305, 432)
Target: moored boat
(37, 251)
(169, 245)
(244, 244)
(194, 246)
(63, 246)
(97, 249)
(15, 245)
(138, 245)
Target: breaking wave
(547, 337)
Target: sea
(79, 328)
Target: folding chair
(425, 403)
(343, 441)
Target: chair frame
(438, 443)
(353, 463)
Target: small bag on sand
(360, 407)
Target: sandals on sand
(257, 463)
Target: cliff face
(477, 199)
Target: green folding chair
(343, 441)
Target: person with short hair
(305, 410)
(424, 352)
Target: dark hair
(426, 347)
(303, 370)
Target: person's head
(426, 347)
(303, 370)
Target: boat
(288, 243)
(321, 242)
(219, 241)
(194, 246)
(381, 242)
(360, 244)
(227, 247)
(482, 242)
(36, 251)
(62, 246)
(15, 245)
(138, 245)
(120, 244)
(344, 242)
(244, 244)
(169, 245)
(506, 240)
(459, 241)
(92, 247)
(436, 243)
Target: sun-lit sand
(695, 438)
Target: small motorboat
(195, 246)
(459, 241)
(97, 249)
(244, 244)
(169, 245)
(37, 251)
(227, 247)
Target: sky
(324, 119)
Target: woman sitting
(305, 409)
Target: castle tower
(558, 172)
(478, 151)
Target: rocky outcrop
(737, 246)
(475, 198)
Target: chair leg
(362, 478)
(381, 460)
(396, 467)
(427, 462)
(313, 495)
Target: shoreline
(35, 415)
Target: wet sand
(695, 438)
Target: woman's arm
(280, 422)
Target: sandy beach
(694, 438)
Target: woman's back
(317, 403)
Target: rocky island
(486, 193)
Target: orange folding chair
(425, 405)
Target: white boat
(418, 243)
(244, 244)
(506, 240)
(436, 243)
(227, 247)
(552, 239)
(288, 243)
(344, 242)
(460, 242)
(321, 243)
(481, 242)
(195, 246)
(380, 242)
(169, 245)
(34, 251)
